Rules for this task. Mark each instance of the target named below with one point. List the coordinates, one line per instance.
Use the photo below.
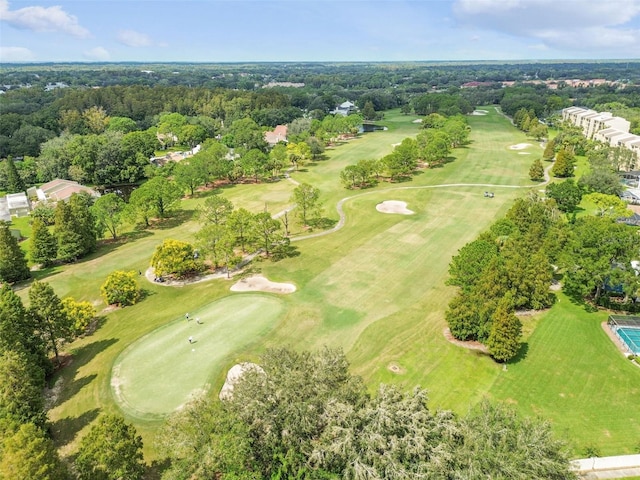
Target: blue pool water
(631, 337)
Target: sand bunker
(234, 374)
(394, 206)
(258, 283)
(417, 120)
(524, 153)
(479, 112)
(519, 146)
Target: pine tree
(17, 330)
(43, 244)
(15, 183)
(68, 238)
(13, 263)
(549, 151)
(563, 166)
(51, 320)
(504, 338)
(85, 221)
(536, 172)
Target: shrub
(121, 288)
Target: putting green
(161, 371)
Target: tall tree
(50, 318)
(30, 454)
(43, 248)
(13, 262)
(108, 210)
(266, 232)
(84, 220)
(17, 329)
(506, 330)
(15, 183)
(520, 448)
(204, 440)
(536, 172)
(112, 450)
(563, 166)
(21, 384)
(163, 193)
(190, 175)
(215, 210)
(567, 194)
(140, 207)
(69, 239)
(307, 200)
(240, 222)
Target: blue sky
(317, 30)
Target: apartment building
(592, 122)
(604, 127)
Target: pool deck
(614, 338)
(621, 466)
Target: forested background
(298, 415)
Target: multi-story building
(592, 122)
(604, 127)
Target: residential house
(279, 134)
(345, 108)
(61, 190)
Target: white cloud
(97, 53)
(576, 24)
(131, 38)
(16, 54)
(42, 19)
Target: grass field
(376, 288)
(185, 354)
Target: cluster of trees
(507, 268)
(511, 266)
(446, 104)
(303, 415)
(28, 336)
(431, 146)
(74, 232)
(527, 121)
(227, 234)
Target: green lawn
(573, 376)
(376, 288)
(186, 354)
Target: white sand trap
(524, 153)
(395, 144)
(233, 375)
(519, 146)
(479, 112)
(394, 206)
(258, 283)
(417, 120)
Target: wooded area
(301, 414)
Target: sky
(317, 30)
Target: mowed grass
(572, 375)
(186, 354)
(376, 288)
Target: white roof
(17, 200)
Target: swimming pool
(631, 337)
